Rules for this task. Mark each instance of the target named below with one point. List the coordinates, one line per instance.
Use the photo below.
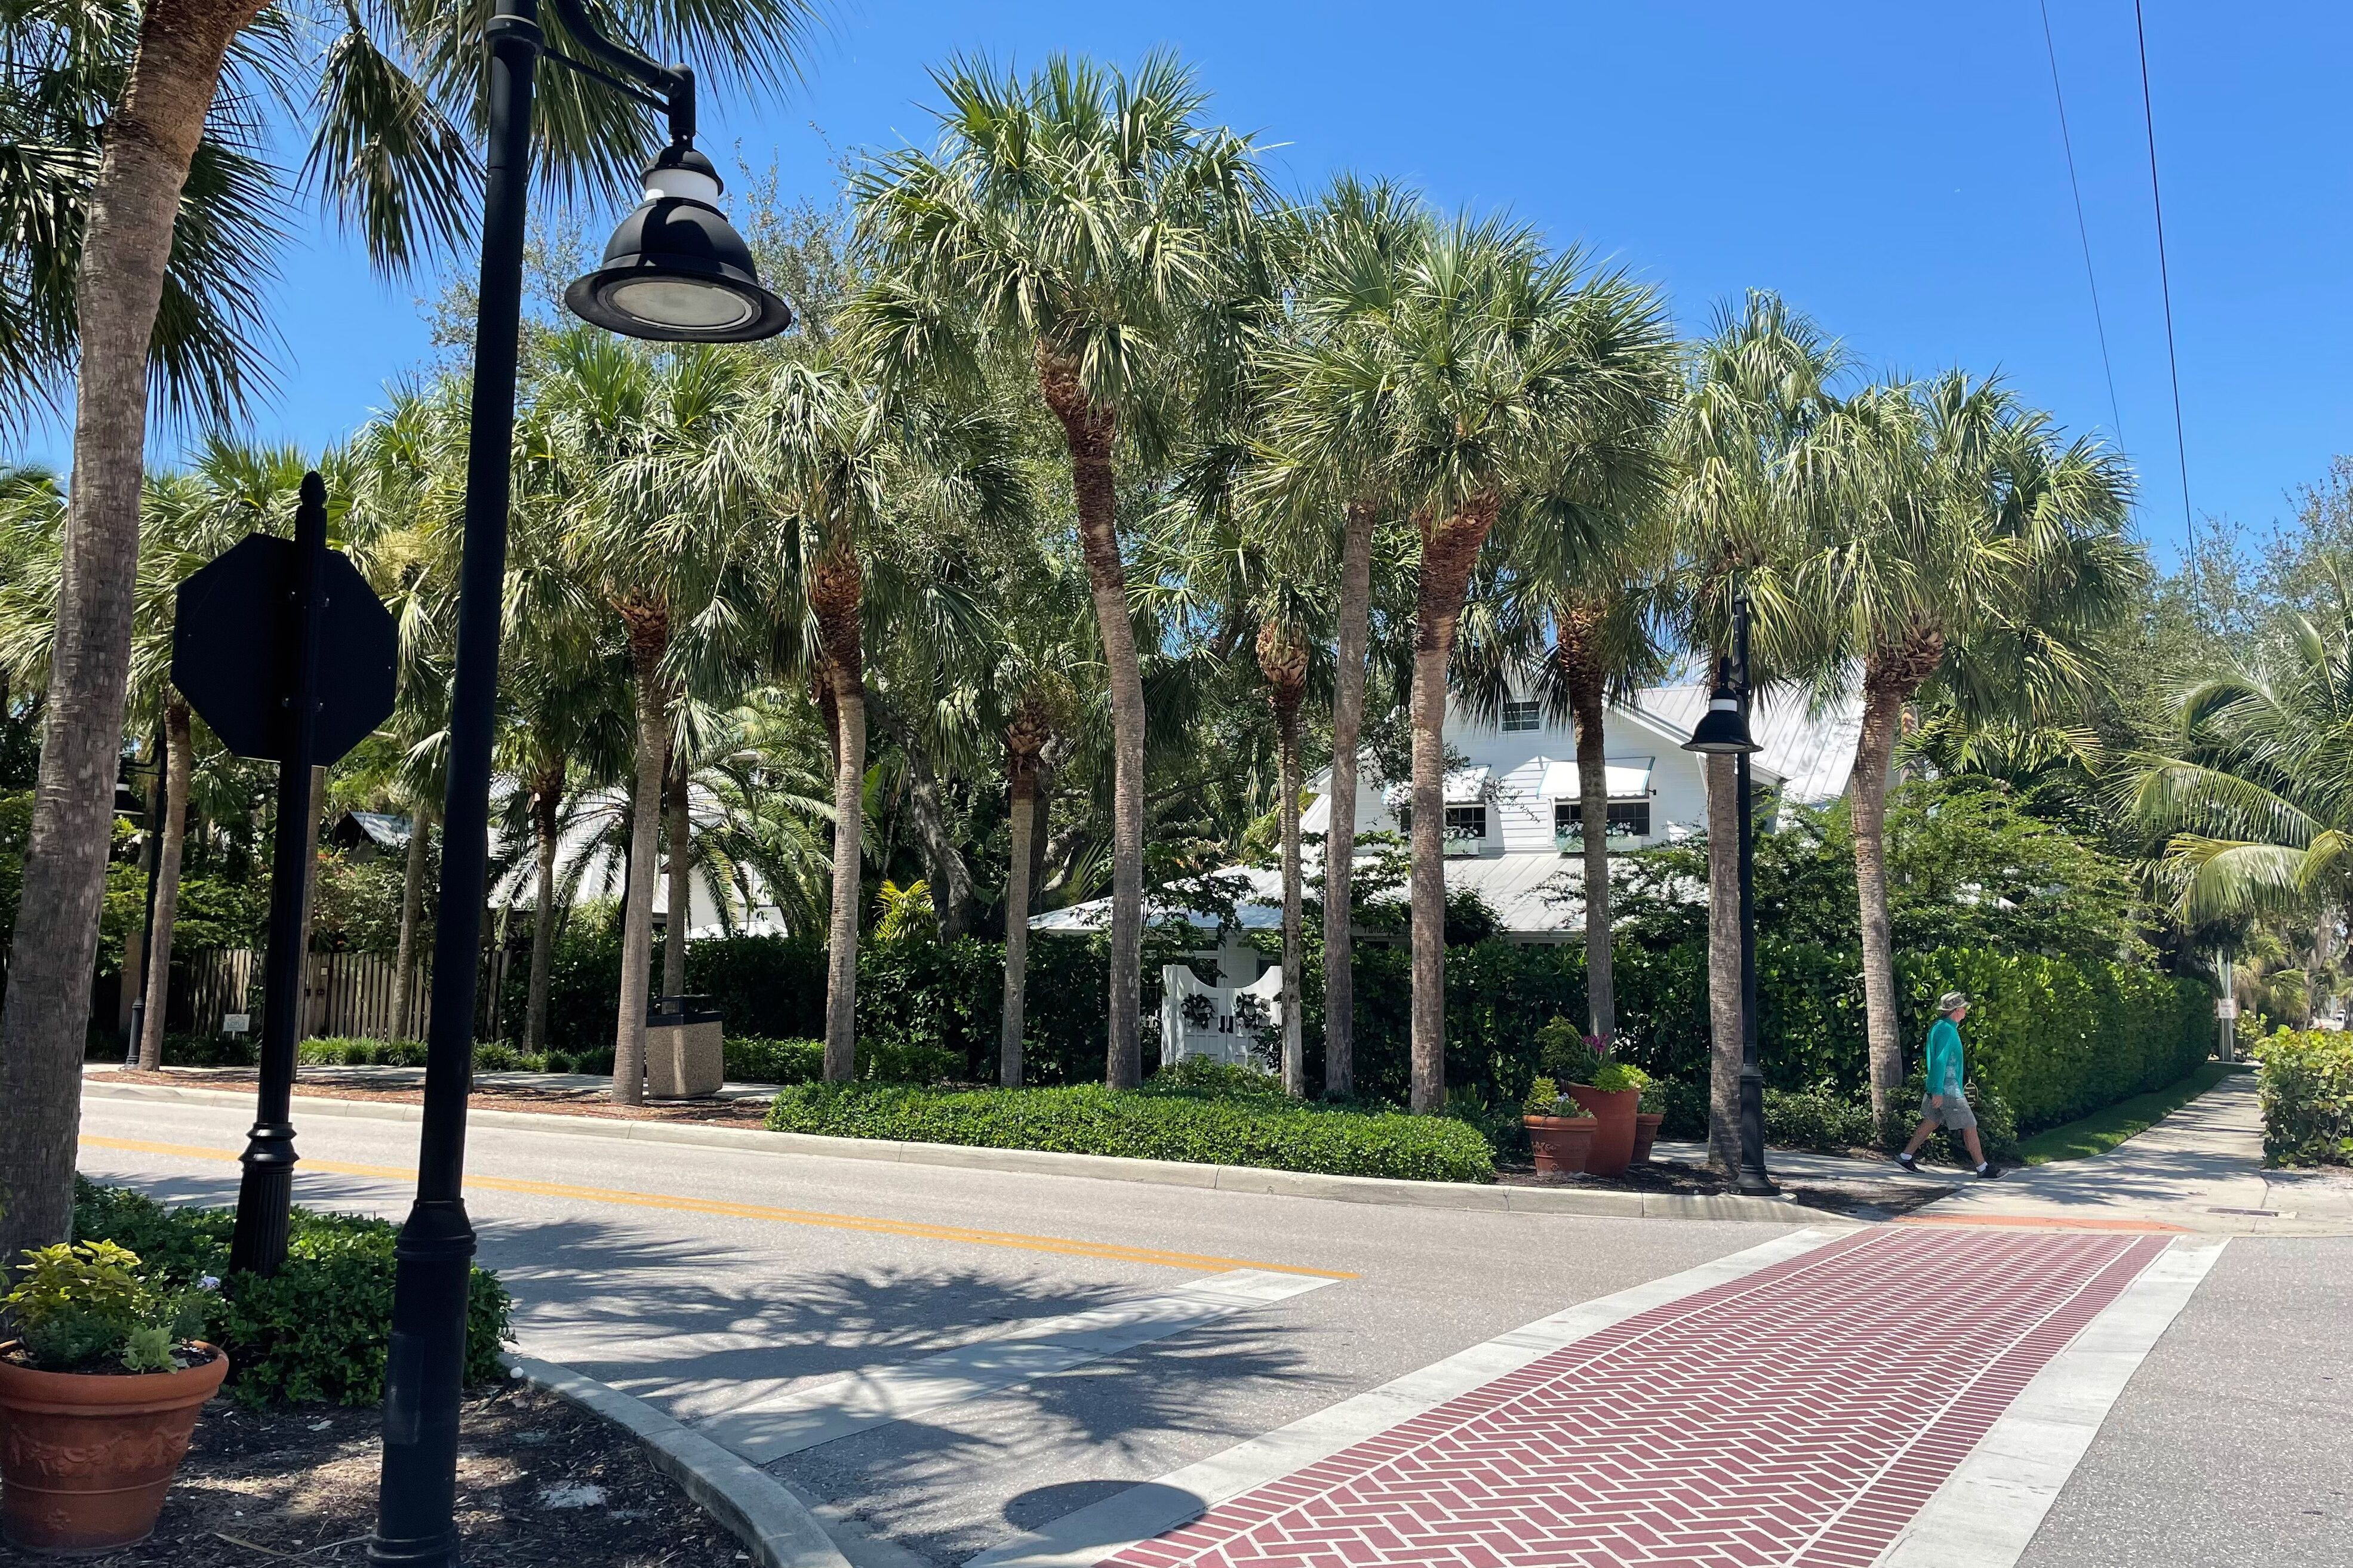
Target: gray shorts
(1955, 1114)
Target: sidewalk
(2199, 1170)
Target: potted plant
(1557, 1131)
(1648, 1111)
(1604, 1087)
(98, 1398)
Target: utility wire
(2083, 230)
(2165, 278)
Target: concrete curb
(757, 1510)
(1494, 1199)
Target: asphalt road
(2233, 1443)
(697, 1277)
(684, 1307)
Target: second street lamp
(1723, 731)
(674, 272)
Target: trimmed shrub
(2306, 1084)
(1167, 1119)
(320, 1327)
(752, 1059)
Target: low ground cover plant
(317, 1329)
(1199, 1115)
(2304, 1080)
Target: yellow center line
(1008, 1239)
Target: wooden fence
(354, 994)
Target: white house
(1512, 809)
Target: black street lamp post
(1723, 731)
(675, 271)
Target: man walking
(1944, 1104)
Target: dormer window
(1519, 716)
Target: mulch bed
(1862, 1197)
(491, 1096)
(541, 1484)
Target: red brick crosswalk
(1799, 1416)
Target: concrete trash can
(686, 1057)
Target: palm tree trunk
(1875, 750)
(412, 907)
(1723, 964)
(1449, 549)
(649, 637)
(1588, 705)
(135, 202)
(1282, 659)
(951, 879)
(681, 894)
(1021, 811)
(546, 803)
(836, 591)
(1340, 836)
(179, 747)
(1295, 1047)
(1089, 429)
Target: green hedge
(2059, 1038)
(320, 1327)
(1160, 1121)
(2305, 1083)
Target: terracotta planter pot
(86, 1457)
(1613, 1138)
(1646, 1133)
(1560, 1142)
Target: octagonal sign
(234, 648)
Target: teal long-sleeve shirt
(1945, 1075)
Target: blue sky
(1895, 170)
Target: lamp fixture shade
(1723, 730)
(676, 272)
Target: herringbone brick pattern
(1798, 1416)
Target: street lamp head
(1723, 730)
(676, 272)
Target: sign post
(256, 653)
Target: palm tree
(1088, 222)
(1038, 642)
(2257, 802)
(1962, 541)
(659, 495)
(390, 163)
(852, 459)
(1522, 389)
(1756, 388)
(1324, 399)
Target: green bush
(1167, 1119)
(2305, 1083)
(751, 1059)
(320, 1328)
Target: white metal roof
(1813, 752)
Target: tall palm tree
(1756, 386)
(1962, 541)
(1323, 394)
(655, 520)
(389, 161)
(2255, 801)
(1523, 388)
(1093, 225)
(854, 460)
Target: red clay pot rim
(66, 1393)
(1571, 1121)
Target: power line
(2083, 230)
(2165, 277)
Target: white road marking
(1080, 1539)
(1986, 1513)
(762, 1426)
